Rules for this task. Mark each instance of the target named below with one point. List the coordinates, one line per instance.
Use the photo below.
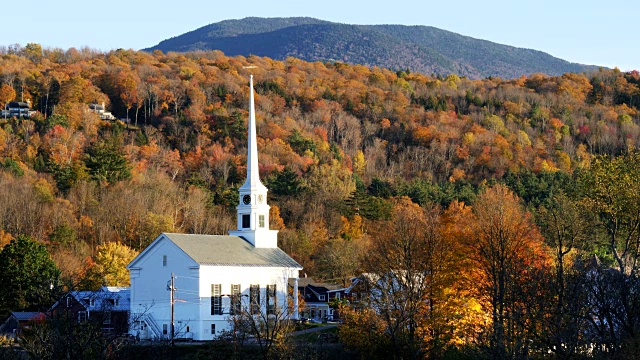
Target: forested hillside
(348, 153)
(419, 48)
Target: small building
(359, 291)
(317, 298)
(18, 321)
(109, 306)
(101, 111)
(18, 109)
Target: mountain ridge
(419, 48)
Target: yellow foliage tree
(110, 266)
(275, 220)
(5, 238)
(359, 163)
(7, 93)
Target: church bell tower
(253, 211)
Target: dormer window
(321, 297)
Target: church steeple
(253, 211)
(253, 177)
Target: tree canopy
(29, 274)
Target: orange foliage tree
(506, 249)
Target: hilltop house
(213, 274)
(18, 109)
(101, 111)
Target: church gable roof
(222, 250)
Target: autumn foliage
(442, 180)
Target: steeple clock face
(246, 199)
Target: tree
(29, 275)
(408, 273)
(62, 336)
(7, 93)
(506, 248)
(127, 83)
(364, 331)
(612, 198)
(33, 51)
(110, 266)
(558, 304)
(285, 183)
(265, 319)
(106, 162)
(340, 259)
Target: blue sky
(589, 32)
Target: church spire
(253, 176)
(253, 210)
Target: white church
(214, 275)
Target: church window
(261, 221)
(164, 260)
(236, 297)
(271, 299)
(246, 221)
(254, 298)
(216, 299)
(213, 329)
(165, 329)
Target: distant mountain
(419, 48)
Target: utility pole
(172, 290)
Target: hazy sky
(587, 31)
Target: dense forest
(518, 198)
(423, 49)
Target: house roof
(27, 315)
(223, 250)
(18, 104)
(96, 107)
(104, 299)
(306, 281)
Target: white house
(18, 109)
(213, 274)
(101, 111)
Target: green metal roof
(224, 250)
